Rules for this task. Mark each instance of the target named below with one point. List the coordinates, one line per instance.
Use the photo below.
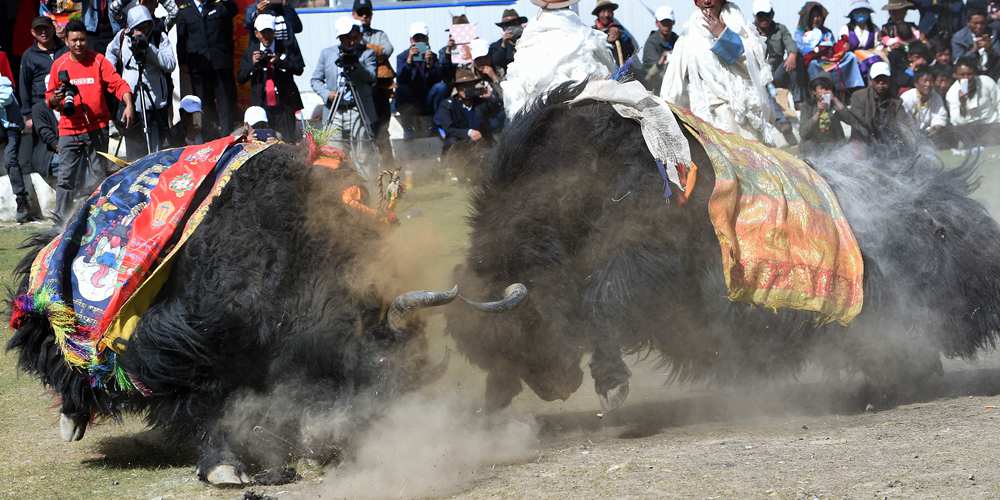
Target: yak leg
(502, 385)
(218, 465)
(609, 371)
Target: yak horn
(411, 301)
(512, 296)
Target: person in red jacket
(77, 83)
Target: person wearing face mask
(502, 51)
(861, 34)
(973, 104)
(719, 70)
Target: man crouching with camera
(341, 68)
(140, 48)
(77, 83)
(466, 121)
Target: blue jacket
(10, 110)
(414, 82)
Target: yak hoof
(224, 475)
(614, 398)
(71, 429)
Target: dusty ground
(789, 440)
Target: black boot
(23, 210)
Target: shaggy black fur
(260, 326)
(573, 207)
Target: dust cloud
(429, 446)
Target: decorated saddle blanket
(784, 238)
(94, 281)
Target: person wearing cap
(659, 45)
(973, 103)
(877, 117)
(159, 62)
(286, 19)
(621, 42)
(187, 130)
(349, 61)
(782, 52)
(84, 132)
(256, 125)
(925, 106)
(271, 65)
(719, 70)
(36, 62)
(898, 32)
(976, 40)
(820, 124)
(119, 11)
(862, 35)
(205, 54)
(503, 50)
(466, 119)
(417, 71)
(379, 43)
(557, 47)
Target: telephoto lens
(68, 107)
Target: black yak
(267, 298)
(573, 206)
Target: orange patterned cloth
(785, 241)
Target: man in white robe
(557, 47)
(719, 70)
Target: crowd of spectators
(831, 81)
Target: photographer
(465, 119)
(351, 61)
(270, 66)
(417, 71)
(140, 48)
(77, 83)
(502, 51)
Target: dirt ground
(790, 439)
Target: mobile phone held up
(422, 49)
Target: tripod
(366, 134)
(140, 89)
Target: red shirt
(92, 76)
(5, 67)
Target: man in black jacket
(205, 53)
(270, 66)
(465, 120)
(502, 51)
(36, 62)
(43, 155)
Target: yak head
(39, 354)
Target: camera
(140, 46)
(348, 58)
(69, 91)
